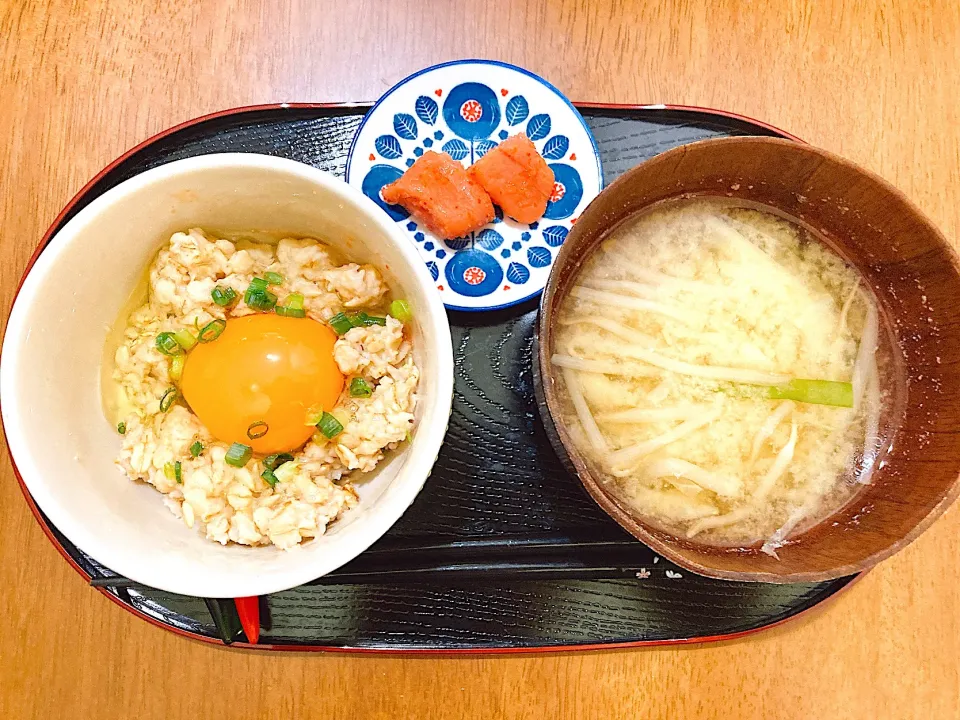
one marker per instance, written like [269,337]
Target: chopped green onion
[294,300]
[178,472]
[272,462]
[329,425]
[340,323]
[168,345]
[196,448]
[287,472]
[368,320]
[257,429]
[223,296]
[293,307]
[360,388]
[238,455]
[169,471]
[176,367]
[816,392]
[185,339]
[273,278]
[260,299]
[211,331]
[122,428]
[400,309]
[269,477]
[409,436]
[168,399]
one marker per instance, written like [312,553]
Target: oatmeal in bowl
[251,411]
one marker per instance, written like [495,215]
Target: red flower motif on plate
[558,192]
[471,111]
[473,275]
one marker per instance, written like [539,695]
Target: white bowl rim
[428,439]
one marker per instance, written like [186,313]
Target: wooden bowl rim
[631,521]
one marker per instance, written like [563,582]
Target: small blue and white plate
[465,108]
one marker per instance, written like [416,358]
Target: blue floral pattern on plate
[465,109]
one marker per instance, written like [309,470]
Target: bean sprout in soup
[718,366]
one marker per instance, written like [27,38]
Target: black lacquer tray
[503,550]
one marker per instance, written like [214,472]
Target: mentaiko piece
[439,193]
[516,177]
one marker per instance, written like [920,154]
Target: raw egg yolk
[263,369]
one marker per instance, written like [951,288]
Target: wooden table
[81,81]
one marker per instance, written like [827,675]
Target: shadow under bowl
[914,274]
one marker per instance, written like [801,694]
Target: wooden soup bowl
[915,275]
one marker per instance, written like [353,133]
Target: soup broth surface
[718,368]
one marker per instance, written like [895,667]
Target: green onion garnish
[167,344]
[400,309]
[238,455]
[185,339]
[329,425]
[269,477]
[178,472]
[259,299]
[122,428]
[368,320]
[196,448]
[273,278]
[176,367]
[294,300]
[223,296]
[168,399]
[290,312]
[293,307]
[257,429]
[817,392]
[268,302]
[340,323]
[360,388]
[211,331]
[272,462]
[169,471]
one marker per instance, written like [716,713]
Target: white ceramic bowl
[64,447]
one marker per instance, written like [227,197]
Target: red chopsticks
[248,608]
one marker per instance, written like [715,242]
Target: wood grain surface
[81,81]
